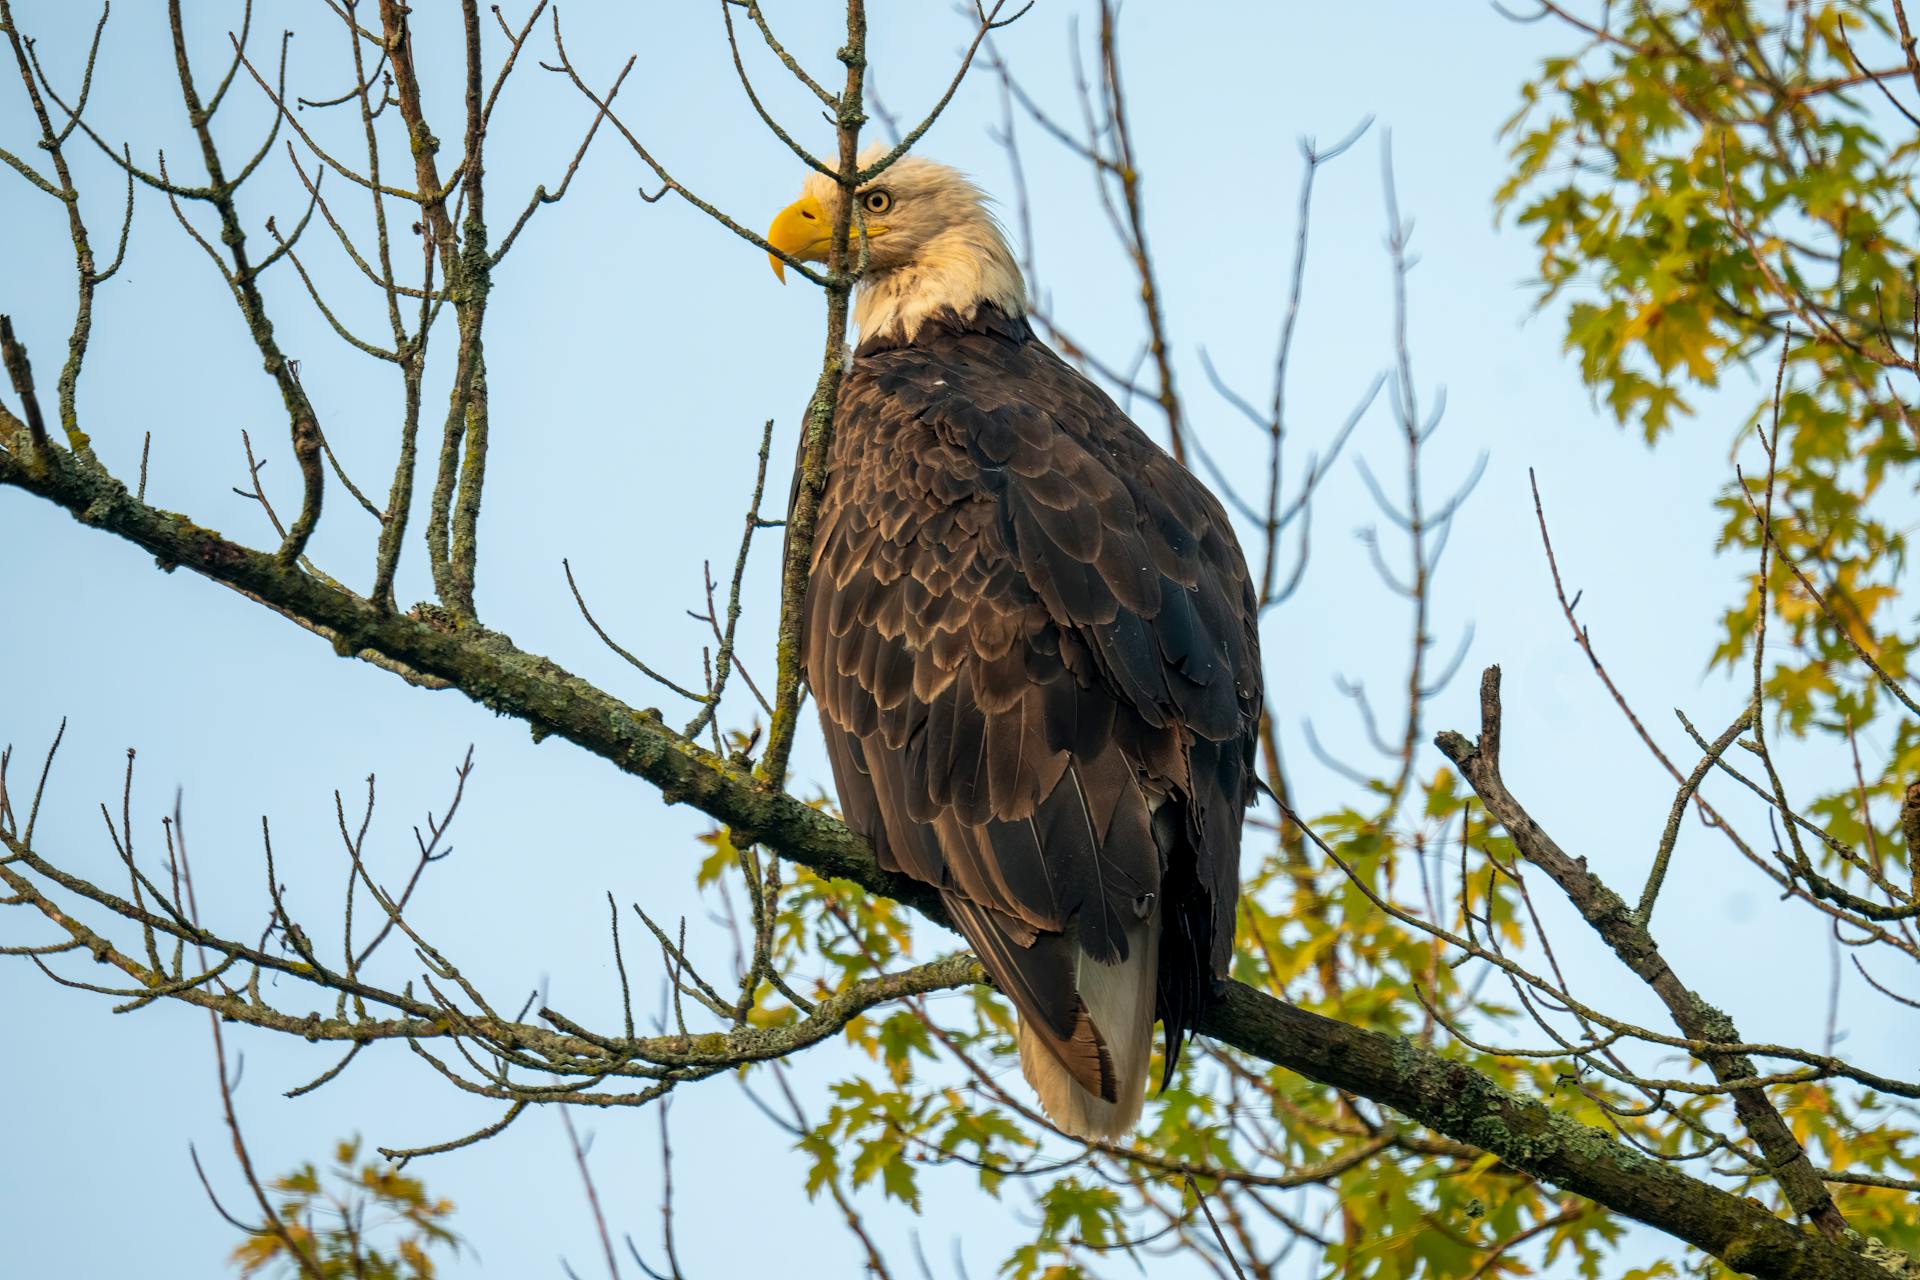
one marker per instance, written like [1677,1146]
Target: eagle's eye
[878,201]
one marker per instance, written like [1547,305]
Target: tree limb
[1626,933]
[1447,1096]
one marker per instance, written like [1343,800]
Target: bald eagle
[1032,638]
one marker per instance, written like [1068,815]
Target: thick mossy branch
[1454,1099]
[483,664]
[1444,1095]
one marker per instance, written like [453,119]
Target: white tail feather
[1120,1000]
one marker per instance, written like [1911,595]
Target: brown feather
[1032,639]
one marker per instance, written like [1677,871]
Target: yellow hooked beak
[803,230]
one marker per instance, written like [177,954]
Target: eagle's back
[1032,638]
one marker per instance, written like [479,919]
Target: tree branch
[1626,933]
[1448,1097]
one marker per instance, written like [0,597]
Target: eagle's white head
[931,239]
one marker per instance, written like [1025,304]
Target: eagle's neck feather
[956,273]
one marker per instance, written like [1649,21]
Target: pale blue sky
[634,350]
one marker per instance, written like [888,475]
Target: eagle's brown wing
[1031,635]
